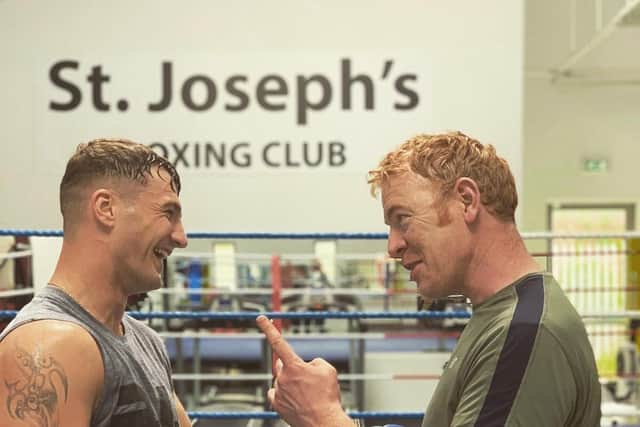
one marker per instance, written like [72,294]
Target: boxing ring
[208,325]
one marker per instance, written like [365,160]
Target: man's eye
[401,220]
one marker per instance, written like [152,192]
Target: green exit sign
[595,165]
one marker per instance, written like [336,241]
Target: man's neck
[500,259]
[92,286]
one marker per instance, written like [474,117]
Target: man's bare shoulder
[49,369]
[67,336]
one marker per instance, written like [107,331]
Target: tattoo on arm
[34,397]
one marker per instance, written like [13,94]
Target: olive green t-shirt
[524,359]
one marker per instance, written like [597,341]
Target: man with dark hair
[524,358]
[72,357]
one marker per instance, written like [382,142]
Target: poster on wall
[272,124]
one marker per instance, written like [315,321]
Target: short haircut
[109,159]
[444,158]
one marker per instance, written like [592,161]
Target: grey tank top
[137,388]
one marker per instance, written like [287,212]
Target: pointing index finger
[279,345]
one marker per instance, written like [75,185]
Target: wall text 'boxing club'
[243,155]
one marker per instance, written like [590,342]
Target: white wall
[566,123]
[594,113]
[467,56]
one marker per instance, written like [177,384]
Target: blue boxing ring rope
[251,315]
[203,235]
[267,415]
[243,315]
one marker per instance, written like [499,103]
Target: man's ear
[103,207]
[467,192]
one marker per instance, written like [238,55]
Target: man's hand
[304,394]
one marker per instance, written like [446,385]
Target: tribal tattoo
[34,397]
